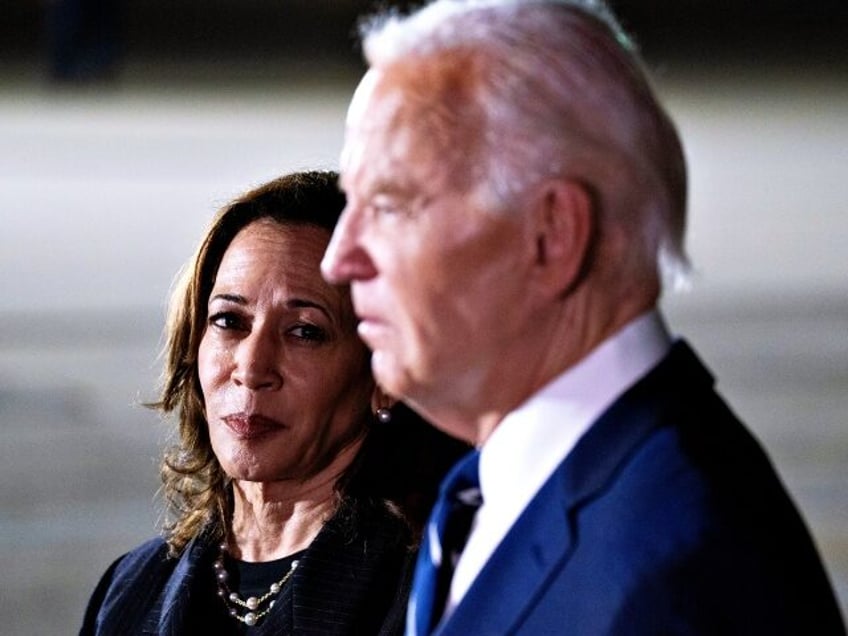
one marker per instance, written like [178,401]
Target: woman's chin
[249,465]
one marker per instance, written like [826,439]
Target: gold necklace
[253,603]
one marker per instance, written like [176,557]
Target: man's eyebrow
[383,186]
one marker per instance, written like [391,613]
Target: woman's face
[285,379]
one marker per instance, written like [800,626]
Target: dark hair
[402,464]
[194,486]
[399,465]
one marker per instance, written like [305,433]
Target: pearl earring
[384,415]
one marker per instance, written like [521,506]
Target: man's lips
[369,327]
[247,426]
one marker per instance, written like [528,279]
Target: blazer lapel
[175,598]
[542,539]
[534,548]
[632,417]
[343,584]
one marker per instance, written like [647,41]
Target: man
[516,195]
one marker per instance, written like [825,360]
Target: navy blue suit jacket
[666,518]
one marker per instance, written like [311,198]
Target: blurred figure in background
[83,39]
[286,515]
[515,193]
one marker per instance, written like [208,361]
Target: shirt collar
[531,441]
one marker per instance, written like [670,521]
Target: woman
[284,516]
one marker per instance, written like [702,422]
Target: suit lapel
[329,564]
[175,598]
[629,420]
[542,539]
[534,548]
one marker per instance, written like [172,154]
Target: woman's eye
[308,332]
[226,320]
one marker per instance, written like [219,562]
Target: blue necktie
[444,538]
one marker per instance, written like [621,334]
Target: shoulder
[670,444]
[679,461]
[677,503]
[152,551]
[141,562]
[151,554]
[138,569]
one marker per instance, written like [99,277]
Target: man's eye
[226,320]
[386,205]
[308,332]
[382,209]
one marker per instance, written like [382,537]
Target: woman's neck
[274,519]
[267,527]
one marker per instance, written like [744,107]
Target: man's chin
[388,373]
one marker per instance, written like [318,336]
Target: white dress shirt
[531,441]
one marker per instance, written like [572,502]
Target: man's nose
[347,259]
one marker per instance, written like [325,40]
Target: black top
[254,579]
[352,580]
[247,579]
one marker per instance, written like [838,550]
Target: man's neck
[555,345]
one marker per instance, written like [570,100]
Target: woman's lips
[250,426]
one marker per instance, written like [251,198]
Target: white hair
[562,90]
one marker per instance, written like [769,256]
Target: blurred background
[125,125]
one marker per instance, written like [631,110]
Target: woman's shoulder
[126,573]
[142,561]
[152,547]
[153,553]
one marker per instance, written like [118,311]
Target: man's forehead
[379,101]
[362,97]
[389,161]
[395,137]
[381,127]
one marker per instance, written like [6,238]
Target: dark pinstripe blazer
[352,580]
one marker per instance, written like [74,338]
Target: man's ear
[565,229]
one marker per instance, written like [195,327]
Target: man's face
[437,280]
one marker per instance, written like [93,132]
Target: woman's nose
[257,363]
[346,260]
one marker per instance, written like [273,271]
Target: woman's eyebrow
[233,298]
[300,303]
[292,303]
